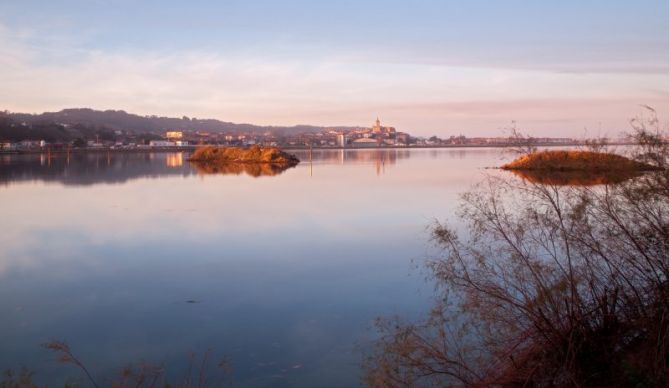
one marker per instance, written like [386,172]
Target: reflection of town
[91,168]
[115,167]
[383,158]
[111,167]
[175,159]
[379,158]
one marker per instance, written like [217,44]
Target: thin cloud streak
[420,98]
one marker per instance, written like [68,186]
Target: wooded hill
[69,124]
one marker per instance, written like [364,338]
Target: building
[403,138]
[341,140]
[8,146]
[161,143]
[378,129]
[377,126]
[174,135]
[365,142]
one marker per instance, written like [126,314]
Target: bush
[548,285]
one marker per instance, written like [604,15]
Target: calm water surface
[288,269]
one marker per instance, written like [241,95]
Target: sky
[555,68]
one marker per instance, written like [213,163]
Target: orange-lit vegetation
[576,168]
[587,161]
[254,161]
[255,154]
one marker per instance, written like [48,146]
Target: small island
[576,161]
[580,168]
[213,155]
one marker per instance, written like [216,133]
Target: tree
[519,143]
[547,285]
[79,143]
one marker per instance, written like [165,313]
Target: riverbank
[192,148]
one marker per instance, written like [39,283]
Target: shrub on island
[254,154]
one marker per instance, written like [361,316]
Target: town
[375,136]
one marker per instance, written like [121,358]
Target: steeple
[377,126]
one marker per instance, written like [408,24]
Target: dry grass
[586,161]
[200,373]
[254,154]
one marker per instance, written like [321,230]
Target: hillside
[72,123]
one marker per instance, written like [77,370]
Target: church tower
[377,126]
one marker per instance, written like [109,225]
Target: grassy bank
[584,161]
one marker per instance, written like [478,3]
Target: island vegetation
[213,155]
[578,160]
[577,167]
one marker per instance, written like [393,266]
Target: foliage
[653,143]
[520,143]
[141,375]
[14,129]
[547,285]
[255,154]
[121,120]
[79,143]
[561,160]
[67,357]
[22,379]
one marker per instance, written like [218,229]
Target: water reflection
[289,272]
[389,156]
[253,169]
[539,275]
[91,168]
[108,167]
[378,159]
[175,159]
[575,178]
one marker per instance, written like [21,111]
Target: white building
[162,143]
[341,140]
[365,142]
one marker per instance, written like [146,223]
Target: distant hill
[83,122]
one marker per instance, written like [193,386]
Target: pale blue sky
[444,67]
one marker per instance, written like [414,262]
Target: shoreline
[291,148]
